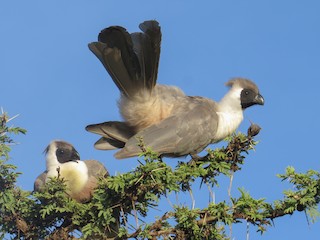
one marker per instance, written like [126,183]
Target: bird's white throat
[51,158]
[228,123]
[230,113]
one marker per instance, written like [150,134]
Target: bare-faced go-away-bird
[163,117]
[81,177]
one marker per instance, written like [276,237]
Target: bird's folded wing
[40,182]
[96,168]
[106,143]
[178,135]
[112,129]
[114,134]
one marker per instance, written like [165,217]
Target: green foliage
[123,199]
[5,135]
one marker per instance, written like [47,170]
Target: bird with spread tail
[163,117]
[81,177]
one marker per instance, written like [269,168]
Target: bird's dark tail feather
[132,60]
[114,134]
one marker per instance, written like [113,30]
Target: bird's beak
[76,156]
[259,100]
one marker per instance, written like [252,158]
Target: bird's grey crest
[243,83]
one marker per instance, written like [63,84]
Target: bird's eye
[246,92]
[60,152]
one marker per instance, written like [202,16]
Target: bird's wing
[96,168]
[106,143]
[40,182]
[181,134]
[114,134]
[112,129]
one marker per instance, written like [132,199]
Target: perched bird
[166,120]
[81,177]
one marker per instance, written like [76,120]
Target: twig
[170,203]
[124,218]
[230,184]
[135,214]
[192,199]
[229,194]
[211,193]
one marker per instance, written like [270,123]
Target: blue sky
[57,85]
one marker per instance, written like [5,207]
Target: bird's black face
[249,97]
[66,153]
